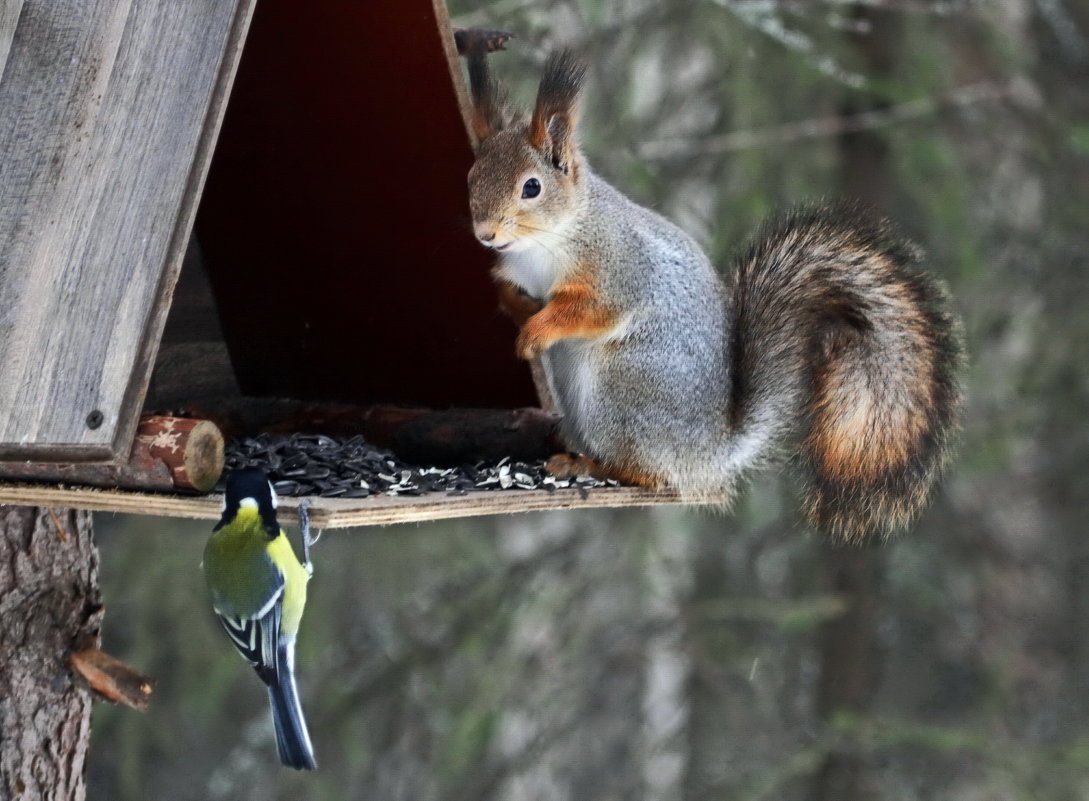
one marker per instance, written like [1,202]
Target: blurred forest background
[672,654]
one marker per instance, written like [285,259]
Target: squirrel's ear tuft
[552,127]
[488,100]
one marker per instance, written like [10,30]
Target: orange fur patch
[574,311]
[859,434]
[565,465]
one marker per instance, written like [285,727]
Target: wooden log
[169,454]
[456,436]
[191,449]
[443,437]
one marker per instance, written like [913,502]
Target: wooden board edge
[56,453]
[453,62]
[336,512]
[465,106]
[9,21]
[132,402]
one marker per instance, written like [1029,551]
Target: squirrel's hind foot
[569,465]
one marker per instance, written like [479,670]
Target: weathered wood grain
[340,512]
[453,63]
[108,110]
[9,16]
[169,454]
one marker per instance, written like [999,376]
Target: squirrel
[827,343]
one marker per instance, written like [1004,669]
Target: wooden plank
[108,109]
[133,401]
[339,512]
[453,64]
[9,18]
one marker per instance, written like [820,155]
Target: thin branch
[111,679]
[388,671]
[465,39]
[942,8]
[827,126]
[1065,29]
[57,525]
[763,18]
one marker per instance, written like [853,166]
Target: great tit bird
[258,592]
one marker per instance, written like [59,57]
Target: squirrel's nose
[485,232]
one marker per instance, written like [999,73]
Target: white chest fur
[535,269]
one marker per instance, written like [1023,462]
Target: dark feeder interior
[333,285]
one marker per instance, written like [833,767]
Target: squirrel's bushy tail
[835,324]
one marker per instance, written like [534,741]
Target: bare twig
[57,525]
[827,126]
[765,19]
[484,591]
[1065,29]
[940,8]
[466,38]
[112,680]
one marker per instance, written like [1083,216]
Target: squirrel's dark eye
[531,188]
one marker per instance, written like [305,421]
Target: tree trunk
[850,662]
[850,658]
[49,606]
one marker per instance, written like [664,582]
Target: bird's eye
[531,188]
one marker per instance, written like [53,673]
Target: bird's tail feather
[292,738]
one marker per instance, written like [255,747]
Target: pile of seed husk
[314,464]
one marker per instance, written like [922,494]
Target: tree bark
[49,607]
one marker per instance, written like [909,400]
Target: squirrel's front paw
[569,465]
[516,304]
[532,341]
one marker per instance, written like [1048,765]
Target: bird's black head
[250,486]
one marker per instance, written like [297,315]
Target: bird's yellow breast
[241,564]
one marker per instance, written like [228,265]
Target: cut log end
[192,449]
[203,456]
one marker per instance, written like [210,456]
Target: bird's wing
[257,638]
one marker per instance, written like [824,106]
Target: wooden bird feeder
[307,165]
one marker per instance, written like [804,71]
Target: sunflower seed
[303,464]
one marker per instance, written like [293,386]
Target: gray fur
[659,393]
[826,338]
